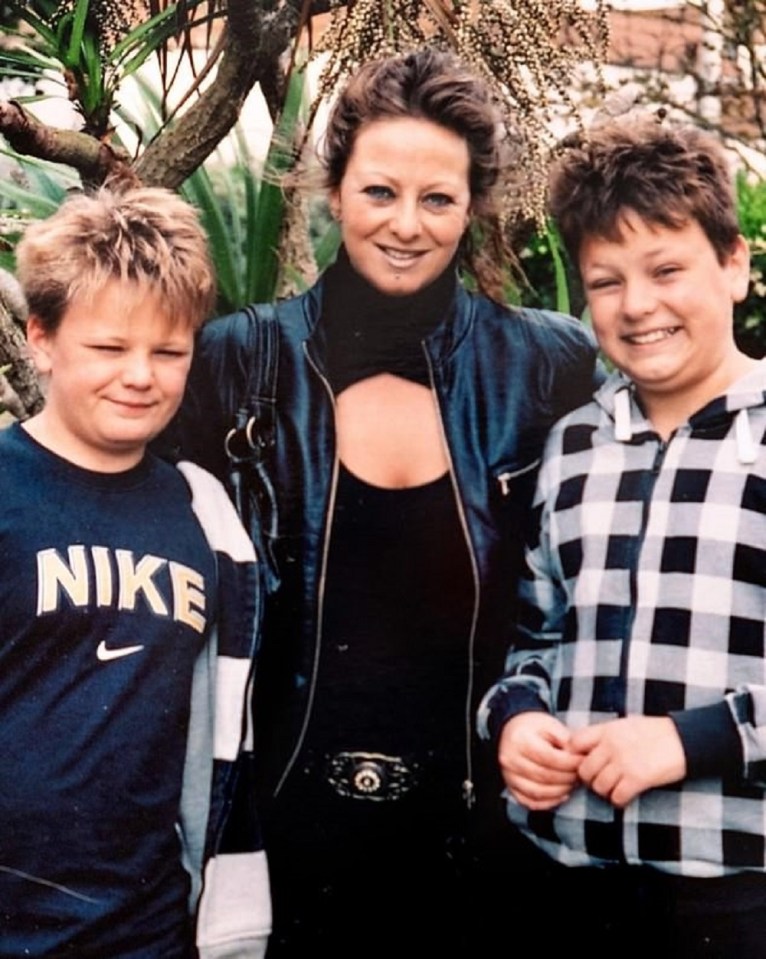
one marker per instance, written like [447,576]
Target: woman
[409,418]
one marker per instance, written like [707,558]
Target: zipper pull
[504,479]
[468,793]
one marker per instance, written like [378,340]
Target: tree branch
[253,42]
[27,135]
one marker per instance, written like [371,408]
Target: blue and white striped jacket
[230,887]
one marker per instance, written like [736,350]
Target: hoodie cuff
[513,702]
[710,740]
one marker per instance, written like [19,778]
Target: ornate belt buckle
[375,776]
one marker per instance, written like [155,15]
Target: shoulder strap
[253,435]
[254,427]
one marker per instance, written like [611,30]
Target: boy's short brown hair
[147,237]
[666,175]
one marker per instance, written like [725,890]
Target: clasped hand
[542,760]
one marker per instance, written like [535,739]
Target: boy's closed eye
[171,352]
[664,272]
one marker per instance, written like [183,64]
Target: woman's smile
[404,202]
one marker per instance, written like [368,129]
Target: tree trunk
[21,375]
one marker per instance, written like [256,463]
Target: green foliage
[750,316]
[241,207]
[90,54]
[227,198]
[33,191]
[268,203]
[551,284]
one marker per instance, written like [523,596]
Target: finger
[538,791]
[534,805]
[535,796]
[585,740]
[592,765]
[606,781]
[544,767]
[542,774]
[557,734]
[523,755]
[553,757]
[624,792]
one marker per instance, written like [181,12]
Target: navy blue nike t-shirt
[105,596]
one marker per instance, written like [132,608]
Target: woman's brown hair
[435,86]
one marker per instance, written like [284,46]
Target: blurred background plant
[750,316]
[528,50]
[93,59]
[266,240]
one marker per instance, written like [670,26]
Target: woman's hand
[537,765]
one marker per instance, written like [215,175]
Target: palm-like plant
[92,46]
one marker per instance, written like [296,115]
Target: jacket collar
[441,343]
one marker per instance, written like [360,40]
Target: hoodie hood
[617,397]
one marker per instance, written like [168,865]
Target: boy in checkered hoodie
[631,720]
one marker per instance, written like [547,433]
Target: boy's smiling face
[662,304]
[116,369]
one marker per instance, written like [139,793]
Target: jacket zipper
[646,506]
[468,785]
[320,592]
[619,817]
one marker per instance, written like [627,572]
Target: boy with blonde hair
[631,720]
[110,592]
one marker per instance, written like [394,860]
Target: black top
[392,674]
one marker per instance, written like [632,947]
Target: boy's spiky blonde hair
[147,237]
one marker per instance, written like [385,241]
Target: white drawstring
[746,448]
[622,428]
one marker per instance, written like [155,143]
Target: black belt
[375,776]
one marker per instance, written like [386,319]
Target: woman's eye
[379,192]
[438,200]
[106,347]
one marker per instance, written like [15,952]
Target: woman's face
[404,202]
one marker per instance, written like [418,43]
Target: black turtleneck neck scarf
[369,332]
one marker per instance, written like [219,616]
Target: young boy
[632,717]
[109,591]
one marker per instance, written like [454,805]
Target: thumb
[585,739]
[558,735]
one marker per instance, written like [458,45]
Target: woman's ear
[333,201]
[39,343]
[470,213]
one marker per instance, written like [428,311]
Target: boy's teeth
[652,337]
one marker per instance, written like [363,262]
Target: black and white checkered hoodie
[645,593]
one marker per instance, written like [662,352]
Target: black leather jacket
[500,377]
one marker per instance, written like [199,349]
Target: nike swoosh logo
[105,654]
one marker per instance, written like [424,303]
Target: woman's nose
[405,220]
